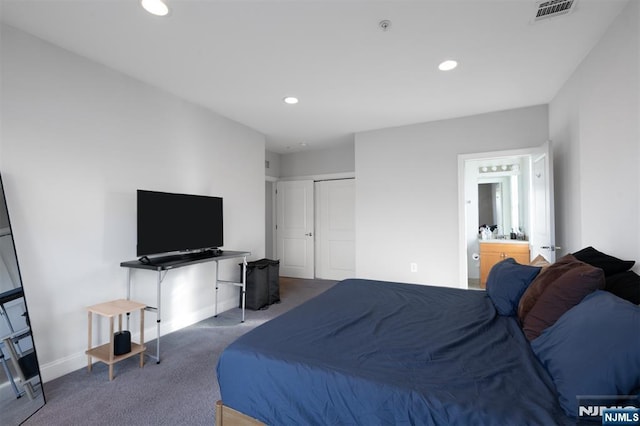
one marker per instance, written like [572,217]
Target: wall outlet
[414,267]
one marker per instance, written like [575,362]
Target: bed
[384,353]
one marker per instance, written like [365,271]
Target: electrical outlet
[414,267]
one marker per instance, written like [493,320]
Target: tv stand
[163,264]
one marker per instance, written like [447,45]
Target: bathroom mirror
[21,392]
[502,196]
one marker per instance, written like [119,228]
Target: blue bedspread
[377,353]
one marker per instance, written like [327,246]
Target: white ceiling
[239,58]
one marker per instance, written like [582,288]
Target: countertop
[493,241]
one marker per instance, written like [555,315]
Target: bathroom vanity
[494,251]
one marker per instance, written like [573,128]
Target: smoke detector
[551,8]
[385,25]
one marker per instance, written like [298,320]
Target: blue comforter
[378,353]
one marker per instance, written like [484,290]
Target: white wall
[335,159]
[77,140]
[407,190]
[273,159]
[594,121]
[406,205]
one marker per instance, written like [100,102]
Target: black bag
[257,295]
[273,278]
[263,284]
[122,342]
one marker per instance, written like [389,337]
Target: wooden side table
[104,352]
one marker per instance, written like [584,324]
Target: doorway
[520,183]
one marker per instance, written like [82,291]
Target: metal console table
[162,265]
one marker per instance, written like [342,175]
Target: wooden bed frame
[227,416]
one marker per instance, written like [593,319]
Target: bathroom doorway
[519,184]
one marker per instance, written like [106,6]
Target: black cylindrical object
[122,342]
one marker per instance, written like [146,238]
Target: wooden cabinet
[494,251]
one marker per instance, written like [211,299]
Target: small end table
[105,353]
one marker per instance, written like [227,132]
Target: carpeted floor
[181,390]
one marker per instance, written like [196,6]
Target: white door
[294,228]
[335,229]
[542,214]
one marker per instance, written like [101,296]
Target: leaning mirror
[21,392]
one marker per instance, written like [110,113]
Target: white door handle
[309,234]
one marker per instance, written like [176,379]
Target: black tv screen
[177,222]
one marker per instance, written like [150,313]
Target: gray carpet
[181,390]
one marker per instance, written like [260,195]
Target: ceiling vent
[551,8]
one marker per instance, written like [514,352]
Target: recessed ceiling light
[290,100]
[447,65]
[155,7]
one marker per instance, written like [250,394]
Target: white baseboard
[60,367]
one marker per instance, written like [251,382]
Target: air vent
[551,8]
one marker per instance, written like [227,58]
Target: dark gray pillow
[609,264]
[625,285]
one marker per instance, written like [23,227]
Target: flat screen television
[170,222]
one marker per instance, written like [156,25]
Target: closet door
[335,229]
[295,228]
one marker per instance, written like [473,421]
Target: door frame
[462,210]
[272,224]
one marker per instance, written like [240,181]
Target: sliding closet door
[335,229]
